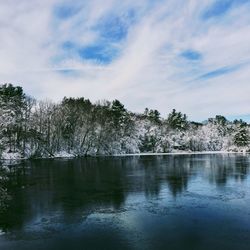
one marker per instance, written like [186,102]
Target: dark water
[150,202]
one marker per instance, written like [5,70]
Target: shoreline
[126,155]
[183,153]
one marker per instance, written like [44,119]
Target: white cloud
[149,71]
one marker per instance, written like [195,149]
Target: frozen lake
[133,202]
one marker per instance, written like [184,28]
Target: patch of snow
[64,154]
[180,153]
[10,156]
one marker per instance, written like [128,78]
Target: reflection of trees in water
[241,168]
[150,172]
[67,186]
[157,170]
[4,195]
[78,187]
[7,179]
[177,174]
[221,168]
[88,181]
[177,170]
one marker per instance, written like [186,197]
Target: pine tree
[12,105]
[118,113]
[154,116]
[177,120]
[241,138]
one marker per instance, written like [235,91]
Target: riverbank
[17,156]
[185,153]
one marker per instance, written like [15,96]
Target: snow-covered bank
[183,153]
[11,156]
[65,155]
[75,127]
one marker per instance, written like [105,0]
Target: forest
[77,127]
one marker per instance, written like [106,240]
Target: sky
[190,55]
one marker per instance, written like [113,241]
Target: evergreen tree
[154,116]
[241,138]
[221,120]
[177,120]
[119,113]
[12,105]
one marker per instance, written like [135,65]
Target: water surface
[148,202]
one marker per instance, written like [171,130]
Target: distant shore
[183,153]
[71,156]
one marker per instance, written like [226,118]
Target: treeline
[77,127]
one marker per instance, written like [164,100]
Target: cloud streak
[157,54]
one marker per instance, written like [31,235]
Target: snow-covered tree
[241,138]
[177,120]
[78,127]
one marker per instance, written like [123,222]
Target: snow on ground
[10,156]
[182,153]
[63,154]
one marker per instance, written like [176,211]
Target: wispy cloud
[161,54]
[220,72]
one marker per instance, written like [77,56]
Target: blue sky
[193,56]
